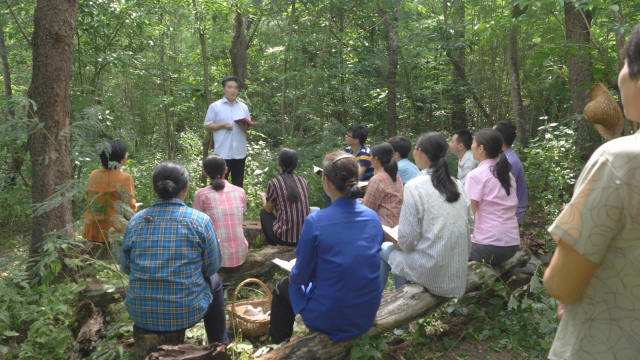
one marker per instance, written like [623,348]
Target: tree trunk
[514,75]
[578,22]
[54,24]
[90,333]
[285,63]
[257,263]
[456,54]
[238,50]
[205,84]
[16,158]
[391,30]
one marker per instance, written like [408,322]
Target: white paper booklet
[287,265]
[391,231]
[317,170]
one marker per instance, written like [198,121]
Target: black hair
[214,166]
[359,132]
[112,154]
[492,141]
[169,179]
[341,169]
[288,161]
[230,78]
[632,53]
[401,145]
[464,137]
[508,132]
[434,145]
[384,153]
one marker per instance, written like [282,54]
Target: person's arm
[306,255]
[211,122]
[474,207]
[196,202]
[266,204]
[211,255]
[373,197]
[216,127]
[132,194]
[568,274]
[474,187]
[361,171]
[269,199]
[410,225]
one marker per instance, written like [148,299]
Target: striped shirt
[226,209]
[364,160]
[290,217]
[168,249]
[434,238]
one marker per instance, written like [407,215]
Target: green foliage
[367,348]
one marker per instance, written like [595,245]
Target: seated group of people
[172,252]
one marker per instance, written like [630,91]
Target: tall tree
[54,23]
[239,46]
[578,34]
[454,13]
[206,142]
[514,74]
[390,19]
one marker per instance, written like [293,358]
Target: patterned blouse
[384,196]
[226,209]
[290,217]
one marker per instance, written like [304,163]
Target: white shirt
[229,144]
[434,236]
[465,165]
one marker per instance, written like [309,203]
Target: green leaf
[10,333]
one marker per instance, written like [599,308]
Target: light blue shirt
[407,170]
[229,144]
[521,183]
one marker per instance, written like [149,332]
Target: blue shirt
[364,160]
[168,250]
[230,144]
[338,263]
[407,170]
[521,183]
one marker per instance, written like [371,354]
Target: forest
[79,73]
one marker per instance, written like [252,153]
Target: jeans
[236,169]
[282,316]
[385,268]
[215,318]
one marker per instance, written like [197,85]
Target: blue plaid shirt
[169,249]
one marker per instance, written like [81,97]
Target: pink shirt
[495,219]
[226,209]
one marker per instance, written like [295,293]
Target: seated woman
[384,192]
[288,195]
[225,204]
[494,202]
[433,236]
[107,187]
[335,283]
[171,254]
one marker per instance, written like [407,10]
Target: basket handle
[248,281]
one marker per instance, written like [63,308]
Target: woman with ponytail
[335,283]
[384,192]
[225,204]
[172,256]
[492,190]
[288,196]
[432,248]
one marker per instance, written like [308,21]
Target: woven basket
[251,327]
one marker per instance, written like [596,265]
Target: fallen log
[91,331]
[398,307]
[252,229]
[189,352]
[257,263]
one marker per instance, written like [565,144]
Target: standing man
[460,145]
[508,132]
[229,137]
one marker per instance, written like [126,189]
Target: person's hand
[263,196]
[243,126]
[228,126]
[560,310]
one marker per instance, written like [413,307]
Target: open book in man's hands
[246,122]
[287,265]
[392,232]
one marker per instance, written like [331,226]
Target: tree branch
[18,23]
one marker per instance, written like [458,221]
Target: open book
[391,231]
[245,122]
[317,170]
[287,265]
[363,184]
